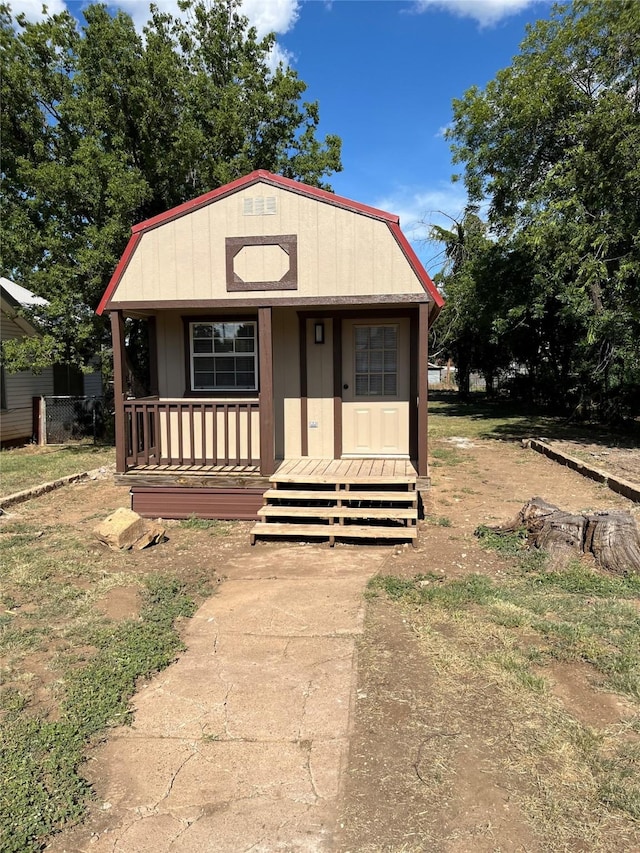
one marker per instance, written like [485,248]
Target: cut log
[610,537]
[613,540]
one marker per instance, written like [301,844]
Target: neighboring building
[435,374]
[22,393]
[287,326]
[19,389]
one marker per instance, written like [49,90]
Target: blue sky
[384,73]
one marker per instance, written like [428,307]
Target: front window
[376,361]
[223,356]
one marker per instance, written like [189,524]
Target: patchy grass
[68,671]
[42,790]
[501,632]
[25,467]
[446,456]
[218,528]
[441,521]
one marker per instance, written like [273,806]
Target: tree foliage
[103,126]
[553,145]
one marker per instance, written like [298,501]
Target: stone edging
[36,491]
[616,484]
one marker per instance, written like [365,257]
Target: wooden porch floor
[289,470]
[194,470]
[345,470]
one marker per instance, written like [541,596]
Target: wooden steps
[332,499]
[340,512]
[332,531]
[350,496]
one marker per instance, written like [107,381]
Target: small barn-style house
[288,358]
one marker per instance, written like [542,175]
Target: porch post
[423,376]
[337,387]
[265,341]
[117,335]
[153,356]
[304,386]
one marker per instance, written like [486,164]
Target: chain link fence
[73,418]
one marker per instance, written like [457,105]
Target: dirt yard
[439,761]
[446,753]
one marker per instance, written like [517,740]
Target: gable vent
[259,205]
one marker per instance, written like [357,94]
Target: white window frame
[193,356]
[383,372]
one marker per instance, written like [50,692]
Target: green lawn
[483,418]
[25,467]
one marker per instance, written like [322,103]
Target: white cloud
[267,16]
[140,12]
[485,12]
[418,209]
[278,16]
[32,9]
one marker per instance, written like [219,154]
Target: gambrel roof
[373,255]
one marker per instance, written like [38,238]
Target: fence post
[38,420]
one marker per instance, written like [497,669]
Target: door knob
[345,386]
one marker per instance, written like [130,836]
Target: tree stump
[611,537]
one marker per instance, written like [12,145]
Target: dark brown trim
[423,376]
[304,390]
[214,318]
[265,351]
[319,302]
[359,313]
[289,245]
[153,356]
[413,384]
[163,501]
[246,396]
[337,387]
[117,334]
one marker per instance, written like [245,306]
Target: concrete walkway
[240,745]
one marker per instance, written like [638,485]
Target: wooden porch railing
[191,432]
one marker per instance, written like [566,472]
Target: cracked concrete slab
[240,745]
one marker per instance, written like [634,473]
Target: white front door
[375,395]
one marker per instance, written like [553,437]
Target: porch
[304,498]
[347,499]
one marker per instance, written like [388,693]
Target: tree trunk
[610,537]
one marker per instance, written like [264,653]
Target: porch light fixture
[319,332]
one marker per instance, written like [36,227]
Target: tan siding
[340,252]
[172,380]
[286,383]
[320,391]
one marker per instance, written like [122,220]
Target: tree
[553,144]
[104,127]
[464,328]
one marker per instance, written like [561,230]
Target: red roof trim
[324,195]
[261,175]
[420,271]
[119,272]
[254,178]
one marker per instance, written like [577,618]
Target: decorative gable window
[223,356]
